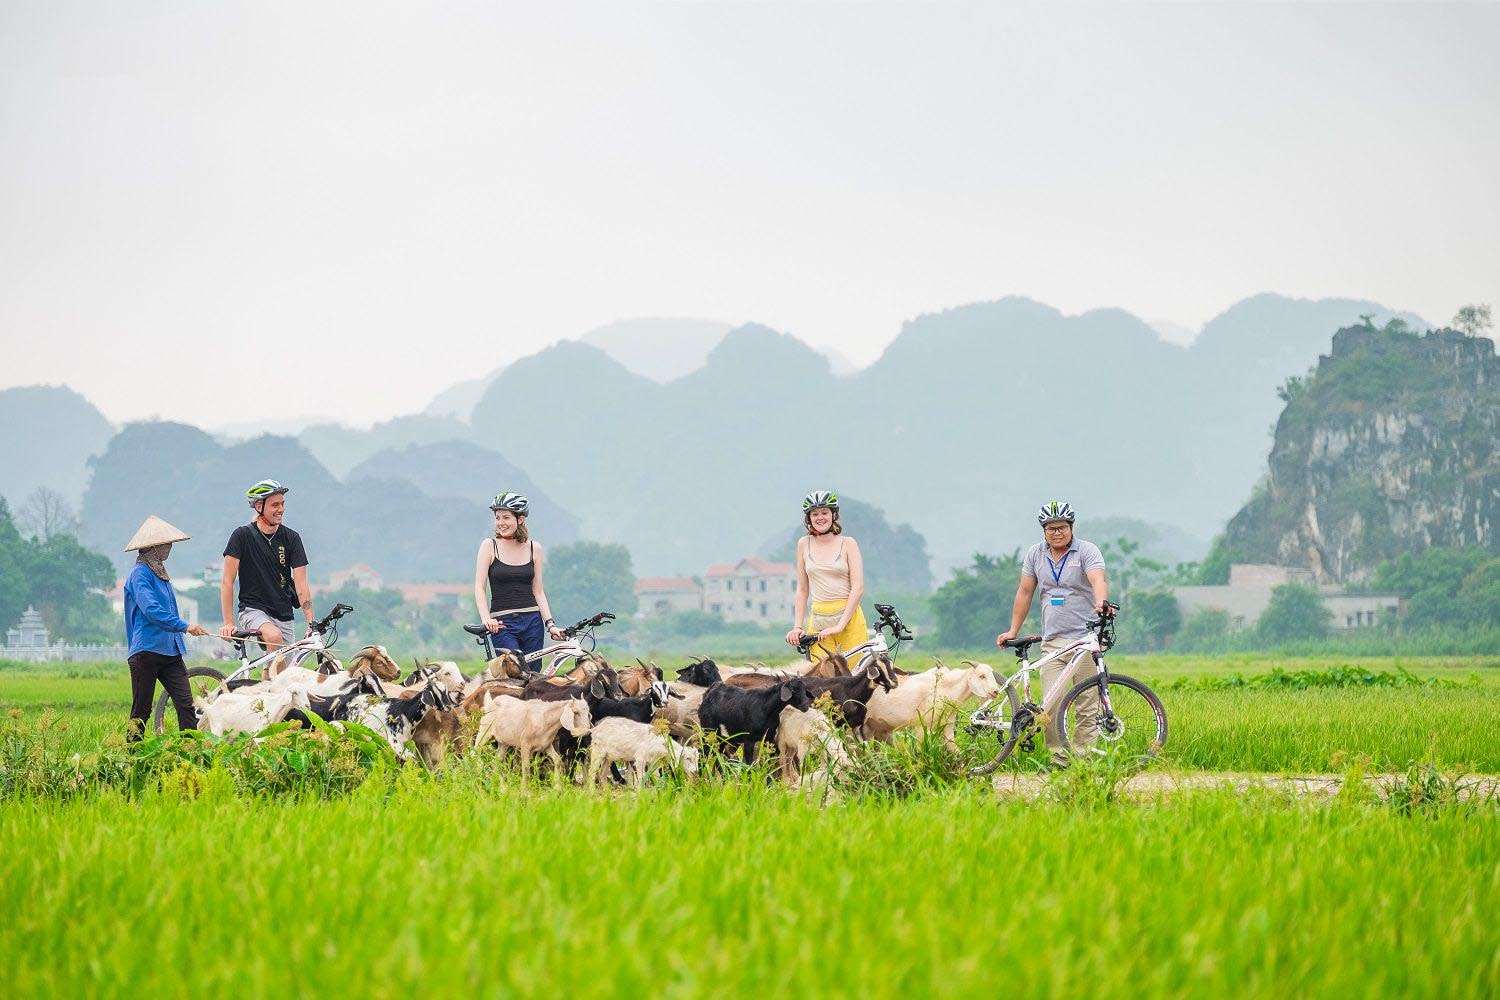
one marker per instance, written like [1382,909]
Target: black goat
[702,673]
[749,718]
[851,693]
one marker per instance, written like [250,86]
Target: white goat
[235,712]
[531,726]
[802,734]
[927,700]
[637,746]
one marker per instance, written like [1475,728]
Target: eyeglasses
[1057,529]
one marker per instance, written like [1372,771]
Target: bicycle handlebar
[888,619]
[339,611]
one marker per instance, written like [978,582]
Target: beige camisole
[830,582]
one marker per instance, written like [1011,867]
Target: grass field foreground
[413,886]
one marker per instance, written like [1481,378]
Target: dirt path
[1153,784]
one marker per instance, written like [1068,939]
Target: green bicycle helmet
[1056,510]
[821,498]
[264,489]
[513,502]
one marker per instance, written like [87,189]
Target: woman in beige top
[831,574]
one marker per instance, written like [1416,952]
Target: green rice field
[186,875]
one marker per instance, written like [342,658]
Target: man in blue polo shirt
[1074,589]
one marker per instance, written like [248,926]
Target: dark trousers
[523,633]
[146,669]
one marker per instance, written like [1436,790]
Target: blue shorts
[523,633]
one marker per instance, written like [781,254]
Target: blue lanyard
[1057,568]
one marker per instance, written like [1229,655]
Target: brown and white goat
[531,726]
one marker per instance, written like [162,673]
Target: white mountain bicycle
[863,655]
[205,682]
[578,641]
[1106,715]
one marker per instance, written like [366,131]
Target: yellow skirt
[827,613]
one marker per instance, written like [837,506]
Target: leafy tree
[1214,569]
[974,606]
[63,576]
[1479,595]
[1435,585]
[588,577]
[60,577]
[1203,629]
[1295,612]
[1153,617]
[1473,320]
[15,590]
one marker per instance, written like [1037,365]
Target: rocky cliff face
[1388,446]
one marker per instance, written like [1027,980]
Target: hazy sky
[217,208]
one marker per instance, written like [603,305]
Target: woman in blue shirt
[155,629]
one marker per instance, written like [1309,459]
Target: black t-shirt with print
[266,566]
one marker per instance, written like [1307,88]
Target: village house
[659,595]
[751,590]
[1248,593]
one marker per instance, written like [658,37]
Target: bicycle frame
[556,655]
[1074,652]
[298,653]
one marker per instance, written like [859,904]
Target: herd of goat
[623,722]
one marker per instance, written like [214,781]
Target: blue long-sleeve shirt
[152,623]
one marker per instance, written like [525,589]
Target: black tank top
[510,586]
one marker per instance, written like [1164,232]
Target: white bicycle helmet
[1056,510]
[264,489]
[513,502]
[821,498]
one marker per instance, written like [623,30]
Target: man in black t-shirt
[267,559]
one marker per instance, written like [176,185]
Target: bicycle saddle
[1021,643]
[475,629]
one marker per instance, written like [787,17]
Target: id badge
[1057,598]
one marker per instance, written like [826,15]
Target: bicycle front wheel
[1121,719]
[993,726]
[202,681]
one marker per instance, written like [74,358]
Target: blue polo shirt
[1067,598]
[152,624]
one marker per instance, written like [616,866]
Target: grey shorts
[251,619]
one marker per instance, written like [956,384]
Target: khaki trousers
[1085,709]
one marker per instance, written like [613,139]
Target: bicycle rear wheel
[993,727]
[202,681]
[1132,730]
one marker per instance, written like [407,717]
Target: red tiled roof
[760,566]
[665,583]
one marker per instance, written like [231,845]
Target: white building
[751,590]
[659,595]
[30,640]
[1248,593]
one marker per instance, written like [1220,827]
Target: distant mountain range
[379,515]
[967,421]
[50,433]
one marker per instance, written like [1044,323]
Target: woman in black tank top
[509,566]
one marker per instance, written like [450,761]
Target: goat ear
[786,692]
[597,688]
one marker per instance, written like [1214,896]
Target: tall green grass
[417,886]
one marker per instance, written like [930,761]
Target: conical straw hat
[155,531]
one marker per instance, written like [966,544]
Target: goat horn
[970,663]
[940,664]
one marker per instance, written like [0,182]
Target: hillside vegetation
[1387,447]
